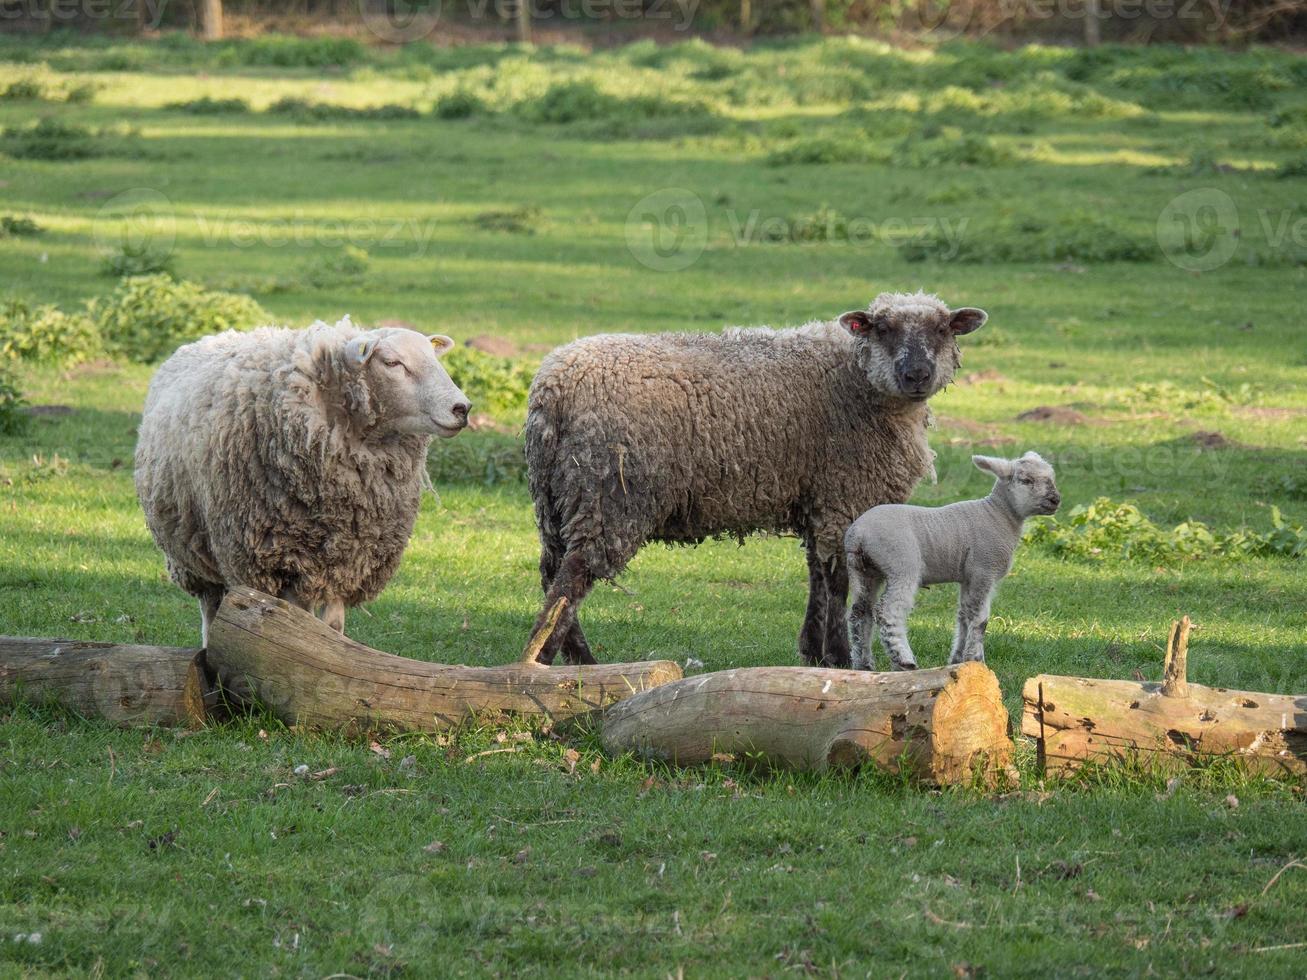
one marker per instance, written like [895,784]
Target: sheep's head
[408,390]
[1026,485]
[907,342]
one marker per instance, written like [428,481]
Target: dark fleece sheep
[680,437]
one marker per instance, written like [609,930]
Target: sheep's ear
[440,343]
[1001,468]
[967,320]
[856,321]
[360,350]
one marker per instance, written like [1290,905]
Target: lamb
[680,437]
[292,461]
[970,542]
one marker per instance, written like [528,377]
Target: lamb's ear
[440,343]
[856,321]
[1001,468]
[967,320]
[360,350]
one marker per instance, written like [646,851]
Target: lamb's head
[408,390]
[1025,485]
[907,342]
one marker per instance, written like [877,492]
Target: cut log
[308,674]
[946,725]
[127,685]
[1171,724]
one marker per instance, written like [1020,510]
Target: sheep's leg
[812,635]
[973,607]
[333,614]
[573,582]
[862,617]
[836,652]
[892,613]
[959,633]
[574,648]
[210,600]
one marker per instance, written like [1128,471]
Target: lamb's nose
[460,412]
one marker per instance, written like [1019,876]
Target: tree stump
[308,674]
[1168,724]
[946,725]
[124,684]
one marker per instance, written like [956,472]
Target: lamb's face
[409,388]
[1026,483]
[907,343]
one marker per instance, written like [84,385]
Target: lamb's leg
[812,635]
[959,633]
[836,652]
[333,614]
[892,613]
[210,600]
[573,582]
[973,607]
[862,616]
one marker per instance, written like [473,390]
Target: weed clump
[461,104]
[13,419]
[1107,529]
[46,335]
[827,149]
[302,110]
[147,317]
[18,227]
[137,260]
[1076,237]
[347,267]
[523,220]
[206,106]
[49,139]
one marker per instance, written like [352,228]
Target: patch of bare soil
[498,346]
[975,433]
[1056,414]
[981,377]
[1211,440]
[1269,413]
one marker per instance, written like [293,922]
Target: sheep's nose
[915,377]
[460,412]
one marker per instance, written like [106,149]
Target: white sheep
[292,461]
[904,547]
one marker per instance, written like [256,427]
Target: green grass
[501,225]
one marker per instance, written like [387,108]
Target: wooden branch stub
[121,683]
[308,674]
[946,725]
[1175,667]
[531,655]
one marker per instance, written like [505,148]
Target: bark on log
[308,674]
[127,685]
[1079,719]
[941,725]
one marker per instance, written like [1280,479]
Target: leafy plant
[25,89]
[207,106]
[347,267]
[46,334]
[13,419]
[133,259]
[148,317]
[522,220]
[49,139]
[460,104]
[1107,529]
[19,227]
[501,383]
[828,149]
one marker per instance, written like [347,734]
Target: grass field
[1132,219]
